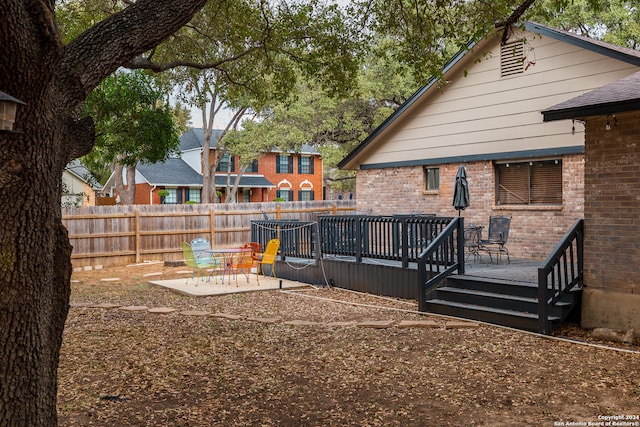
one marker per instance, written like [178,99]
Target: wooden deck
[519,270]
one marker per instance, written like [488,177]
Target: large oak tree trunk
[35,254]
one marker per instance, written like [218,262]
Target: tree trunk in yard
[35,254]
[126,193]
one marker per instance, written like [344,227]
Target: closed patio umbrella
[461,190]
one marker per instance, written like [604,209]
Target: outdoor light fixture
[8,108]
[607,126]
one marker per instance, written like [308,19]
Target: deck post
[422,277]
[543,308]
[460,234]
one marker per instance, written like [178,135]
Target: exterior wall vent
[512,59]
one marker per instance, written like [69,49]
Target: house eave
[591,110]
[505,155]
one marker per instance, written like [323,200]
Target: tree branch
[515,16]
[100,50]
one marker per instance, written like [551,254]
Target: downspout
[151,194]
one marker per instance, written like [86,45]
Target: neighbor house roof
[246,181]
[171,172]
[194,139]
[80,171]
[177,173]
[617,97]
[630,56]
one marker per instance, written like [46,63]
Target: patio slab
[199,288]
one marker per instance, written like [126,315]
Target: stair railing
[443,256]
[562,271]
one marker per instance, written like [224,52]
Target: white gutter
[151,195]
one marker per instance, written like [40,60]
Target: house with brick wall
[485,114]
[286,175]
[611,116]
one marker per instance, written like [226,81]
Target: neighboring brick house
[290,176]
[486,116]
[611,114]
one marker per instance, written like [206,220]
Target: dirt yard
[307,358]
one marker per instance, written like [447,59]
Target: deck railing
[562,271]
[443,256]
[399,238]
[297,238]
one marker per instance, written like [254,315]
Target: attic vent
[512,59]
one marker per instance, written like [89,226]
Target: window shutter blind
[530,183]
[311,159]
[278,164]
[290,163]
[546,183]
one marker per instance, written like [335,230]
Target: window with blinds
[432,178]
[512,59]
[529,183]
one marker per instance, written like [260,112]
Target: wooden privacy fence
[119,235]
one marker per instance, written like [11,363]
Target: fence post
[212,226]
[137,229]
[335,209]
[278,212]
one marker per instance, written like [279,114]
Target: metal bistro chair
[196,264]
[269,256]
[199,247]
[244,263]
[497,238]
[472,236]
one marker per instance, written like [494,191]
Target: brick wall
[612,193]
[533,233]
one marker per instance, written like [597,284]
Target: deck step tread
[489,309]
[495,295]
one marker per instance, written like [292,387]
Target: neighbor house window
[284,164]
[305,195]
[305,164]
[226,163]
[286,195]
[194,195]
[171,198]
[432,178]
[529,183]
[253,167]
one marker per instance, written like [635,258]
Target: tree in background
[281,43]
[133,124]
[614,21]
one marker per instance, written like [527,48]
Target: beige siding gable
[480,113]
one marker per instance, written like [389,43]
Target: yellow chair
[269,256]
[197,264]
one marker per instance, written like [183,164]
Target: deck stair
[497,301]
